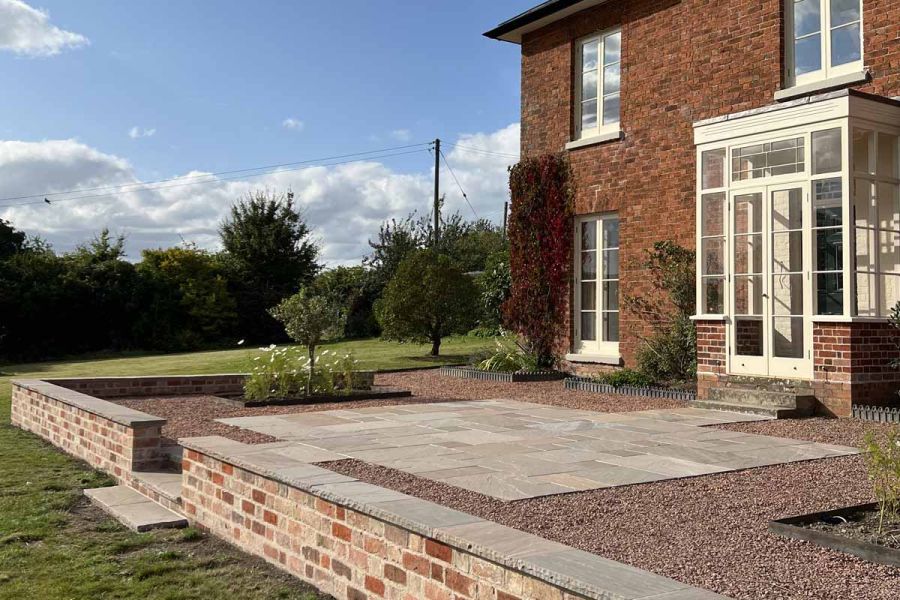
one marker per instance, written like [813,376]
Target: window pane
[787,337]
[807,17]
[713,256]
[889,206]
[865,249]
[845,45]
[713,169]
[589,235]
[712,214]
[588,296]
[890,292]
[787,294]
[611,295]
[862,204]
[612,48]
[588,266]
[826,151]
[611,264]
[589,115]
[829,294]
[865,295]
[787,209]
[748,213]
[889,252]
[588,326]
[787,252]
[888,165]
[761,160]
[748,297]
[862,141]
[829,250]
[611,327]
[844,11]
[808,54]
[589,85]
[611,76]
[748,253]
[610,233]
[828,200]
[714,295]
[611,109]
[748,336]
[589,56]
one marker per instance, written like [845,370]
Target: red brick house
[763,133]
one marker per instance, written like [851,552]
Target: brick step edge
[517,377]
[765,411]
[583,384]
[878,414]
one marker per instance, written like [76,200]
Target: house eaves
[541,15]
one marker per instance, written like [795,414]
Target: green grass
[55,546]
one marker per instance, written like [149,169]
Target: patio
[513,450]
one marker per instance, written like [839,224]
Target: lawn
[54,545]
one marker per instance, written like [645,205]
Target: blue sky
[160,89]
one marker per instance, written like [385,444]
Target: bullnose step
[766,411]
[134,510]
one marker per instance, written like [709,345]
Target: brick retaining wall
[357,541]
[111,438]
[167,385]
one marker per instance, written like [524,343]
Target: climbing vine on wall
[540,243]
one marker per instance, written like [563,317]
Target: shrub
[622,377]
[508,357]
[669,352]
[540,248]
[895,323]
[310,319]
[428,298]
[285,372]
[493,290]
[883,462]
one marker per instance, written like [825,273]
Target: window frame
[600,130]
[599,345]
[826,71]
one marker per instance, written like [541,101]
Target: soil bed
[861,525]
[377,392]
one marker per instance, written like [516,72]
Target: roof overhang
[537,17]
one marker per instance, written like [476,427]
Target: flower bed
[504,377]
[375,392]
[852,529]
[584,384]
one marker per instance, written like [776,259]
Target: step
[766,411]
[163,484]
[134,510]
[749,382]
[763,398]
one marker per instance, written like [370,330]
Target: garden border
[516,377]
[584,384]
[878,414]
[376,393]
[792,527]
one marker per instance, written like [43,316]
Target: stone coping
[102,408]
[575,571]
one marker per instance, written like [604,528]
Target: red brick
[438,550]
[395,574]
[376,586]
[341,531]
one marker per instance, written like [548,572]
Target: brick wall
[711,357]
[165,385]
[343,552]
[118,443]
[683,61]
[852,365]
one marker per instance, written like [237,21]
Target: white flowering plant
[883,462]
[280,372]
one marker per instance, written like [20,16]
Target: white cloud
[293,124]
[27,31]
[344,204]
[402,135]
[136,132]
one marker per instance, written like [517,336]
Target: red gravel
[708,531]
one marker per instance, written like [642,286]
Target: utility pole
[437,191]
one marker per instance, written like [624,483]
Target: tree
[669,352]
[183,292]
[11,240]
[310,319]
[428,299]
[270,256]
[540,250]
[396,240]
[493,291]
[354,289]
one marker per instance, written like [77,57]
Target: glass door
[770,289]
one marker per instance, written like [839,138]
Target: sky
[101,93]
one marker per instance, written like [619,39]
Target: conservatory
[798,226]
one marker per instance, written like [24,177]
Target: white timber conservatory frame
[798,221]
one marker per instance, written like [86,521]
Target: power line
[458,184]
[209,175]
[483,151]
[209,181]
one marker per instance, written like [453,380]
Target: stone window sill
[596,359]
[593,141]
[821,86]
[843,319]
[709,318]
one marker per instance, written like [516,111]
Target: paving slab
[134,510]
[515,450]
